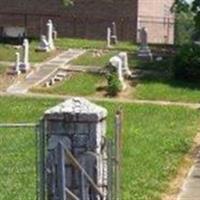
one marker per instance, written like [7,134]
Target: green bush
[114,84]
[187,63]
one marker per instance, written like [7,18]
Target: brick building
[89,18]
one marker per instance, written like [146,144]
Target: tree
[184,6]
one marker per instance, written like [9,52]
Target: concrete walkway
[191,187]
[44,71]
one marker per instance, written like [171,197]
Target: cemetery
[100,117]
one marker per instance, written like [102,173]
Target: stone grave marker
[50,34]
[125,67]
[44,45]
[108,37]
[17,64]
[114,38]
[116,62]
[25,65]
[144,51]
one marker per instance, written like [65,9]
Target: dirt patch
[187,162]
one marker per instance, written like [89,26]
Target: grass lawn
[89,59]
[155,139]
[65,43]
[3,69]
[80,84]
[7,53]
[169,91]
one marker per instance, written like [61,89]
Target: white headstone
[25,65]
[116,62]
[44,45]
[17,64]
[50,34]
[108,37]
[26,53]
[125,67]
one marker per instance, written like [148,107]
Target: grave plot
[98,58]
[80,84]
[7,52]
[66,43]
[154,141]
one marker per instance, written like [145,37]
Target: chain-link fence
[23,157]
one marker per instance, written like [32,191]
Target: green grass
[3,68]
[89,59]
[163,65]
[81,84]
[7,53]
[155,139]
[65,43]
[168,90]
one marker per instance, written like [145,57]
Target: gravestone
[80,126]
[17,64]
[44,45]
[114,39]
[55,34]
[108,37]
[25,65]
[144,51]
[125,67]
[116,62]
[50,35]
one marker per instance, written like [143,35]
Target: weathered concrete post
[50,34]
[80,127]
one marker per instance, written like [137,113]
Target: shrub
[114,84]
[187,63]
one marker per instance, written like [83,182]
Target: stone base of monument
[113,40]
[15,72]
[24,67]
[145,53]
[42,49]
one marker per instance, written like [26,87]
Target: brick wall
[155,15]
[90,18]
[86,19]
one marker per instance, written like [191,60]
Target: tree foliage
[184,6]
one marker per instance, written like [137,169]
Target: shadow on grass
[160,72]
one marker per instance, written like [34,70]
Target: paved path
[191,187]
[44,71]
